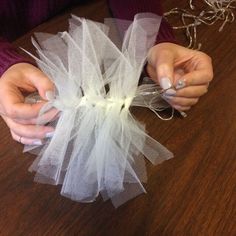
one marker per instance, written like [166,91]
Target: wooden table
[192,194]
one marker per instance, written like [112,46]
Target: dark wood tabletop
[192,194]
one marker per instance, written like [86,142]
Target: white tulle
[98,146]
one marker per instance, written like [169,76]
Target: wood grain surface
[191,194]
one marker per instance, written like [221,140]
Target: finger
[30,131]
[42,83]
[165,68]
[13,104]
[151,72]
[26,141]
[195,78]
[49,116]
[192,91]
[178,74]
[182,108]
[181,101]
[23,110]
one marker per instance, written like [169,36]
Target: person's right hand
[187,72]
[21,117]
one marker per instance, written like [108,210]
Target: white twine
[215,10]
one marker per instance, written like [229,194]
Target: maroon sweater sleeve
[123,9]
[9,56]
[127,9]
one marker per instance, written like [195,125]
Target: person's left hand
[186,72]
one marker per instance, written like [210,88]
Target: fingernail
[165,83]
[167,97]
[49,95]
[49,134]
[180,84]
[37,142]
[170,92]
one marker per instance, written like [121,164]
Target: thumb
[43,84]
[165,68]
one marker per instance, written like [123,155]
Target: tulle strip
[98,146]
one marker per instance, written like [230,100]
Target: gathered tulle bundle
[98,146]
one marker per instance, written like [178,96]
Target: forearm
[127,9]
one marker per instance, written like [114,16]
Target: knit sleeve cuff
[9,56]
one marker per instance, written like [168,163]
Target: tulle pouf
[98,146]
